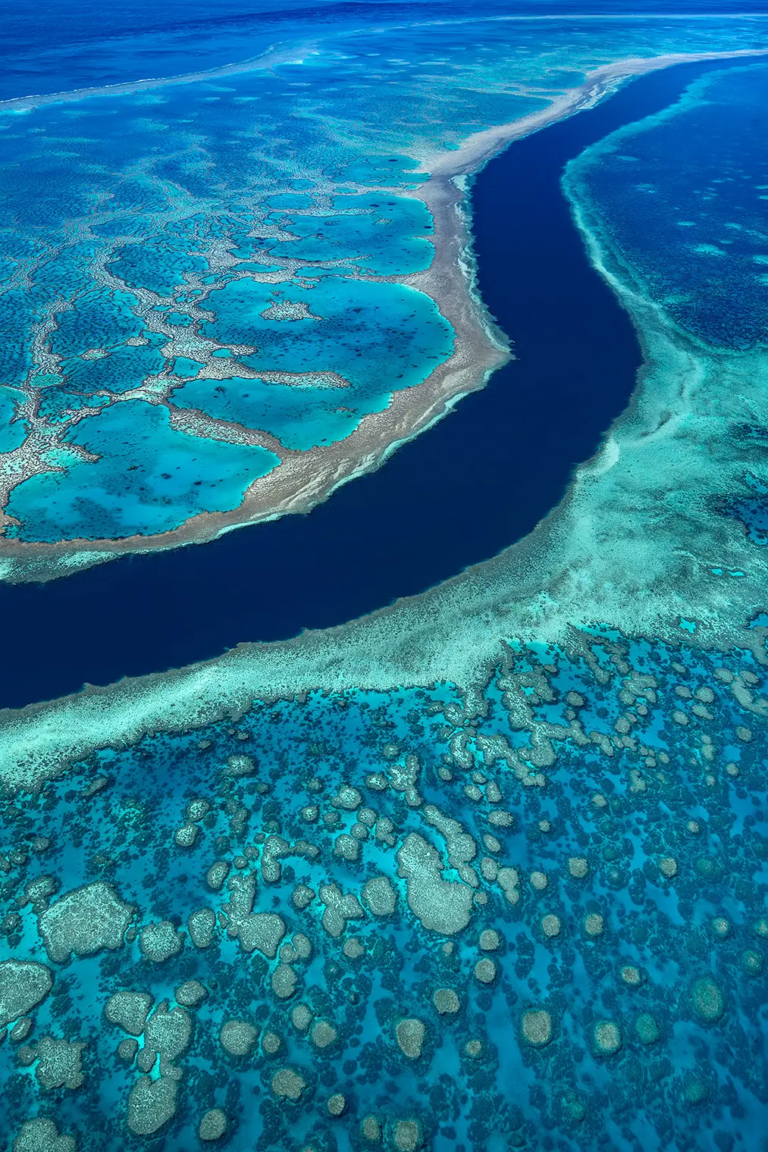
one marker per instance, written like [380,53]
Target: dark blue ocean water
[476,483]
[54,47]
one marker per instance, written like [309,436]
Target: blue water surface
[123,501]
[656,779]
[691,221]
[476,482]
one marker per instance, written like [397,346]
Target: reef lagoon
[484,866]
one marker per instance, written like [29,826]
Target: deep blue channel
[478,481]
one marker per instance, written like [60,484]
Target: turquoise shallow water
[126,219]
[120,252]
[343,327]
[305,418]
[572,853]
[13,431]
[148,478]
[635,901]
[384,237]
[351,328]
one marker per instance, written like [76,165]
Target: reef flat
[235,353]
[483,870]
